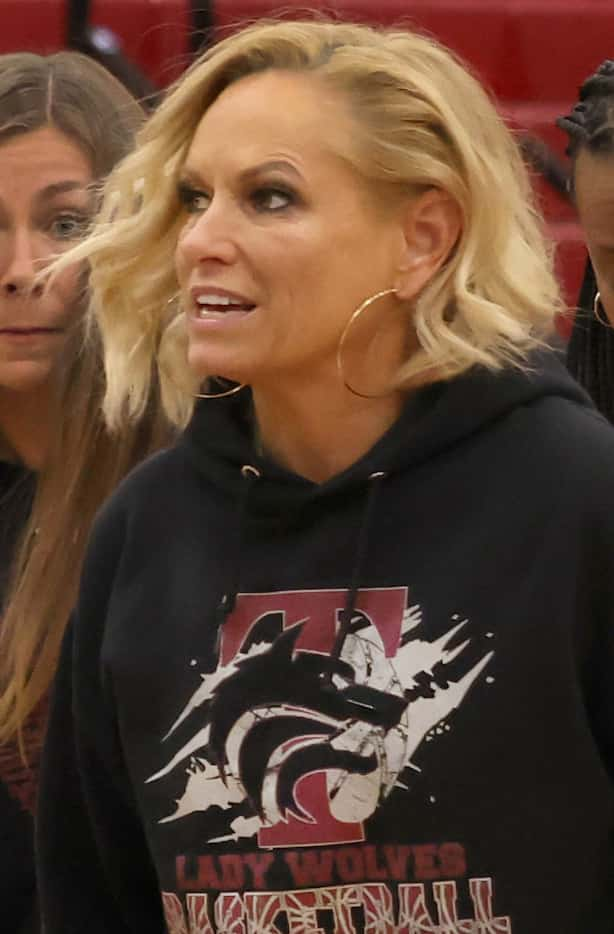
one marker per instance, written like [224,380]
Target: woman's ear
[432,224]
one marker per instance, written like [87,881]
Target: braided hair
[590,354]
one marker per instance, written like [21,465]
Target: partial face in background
[594,184]
[45,204]
[283,238]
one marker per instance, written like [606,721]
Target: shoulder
[569,447]
[146,497]
[150,485]
[17,485]
[158,475]
[572,428]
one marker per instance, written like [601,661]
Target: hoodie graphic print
[299,750]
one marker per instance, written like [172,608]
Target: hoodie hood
[220,436]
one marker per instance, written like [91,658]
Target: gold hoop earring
[174,299]
[596,305]
[220,395]
[342,341]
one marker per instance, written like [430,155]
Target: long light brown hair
[85,462]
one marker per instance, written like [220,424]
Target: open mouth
[213,305]
[209,309]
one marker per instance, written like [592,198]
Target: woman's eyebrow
[272,165]
[60,188]
[192,176]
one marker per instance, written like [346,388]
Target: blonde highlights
[421,121]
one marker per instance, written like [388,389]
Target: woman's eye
[68,226]
[272,199]
[192,200]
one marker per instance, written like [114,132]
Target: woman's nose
[211,235]
[22,264]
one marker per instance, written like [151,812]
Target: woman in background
[590,127]
[64,123]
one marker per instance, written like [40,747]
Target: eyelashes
[69,225]
[264,199]
[62,225]
[272,199]
[191,199]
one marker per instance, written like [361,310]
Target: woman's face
[44,206]
[283,238]
[594,184]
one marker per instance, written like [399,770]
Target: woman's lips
[205,318]
[29,333]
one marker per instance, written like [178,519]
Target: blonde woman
[64,123]
[342,659]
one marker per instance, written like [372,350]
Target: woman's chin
[208,366]
[25,376]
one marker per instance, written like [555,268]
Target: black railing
[203,24]
[104,46]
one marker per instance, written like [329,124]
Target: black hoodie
[590,351]
[385,703]
[17,876]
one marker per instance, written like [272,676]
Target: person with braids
[590,127]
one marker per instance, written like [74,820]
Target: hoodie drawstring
[375,480]
[229,598]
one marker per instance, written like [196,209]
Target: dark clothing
[16,493]
[17,875]
[590,353]
[381,703]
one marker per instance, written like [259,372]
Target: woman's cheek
[70,287]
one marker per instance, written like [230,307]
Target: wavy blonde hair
[421,120]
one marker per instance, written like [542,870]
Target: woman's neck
[27,422]
[319,430]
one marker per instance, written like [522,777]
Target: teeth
[217,300]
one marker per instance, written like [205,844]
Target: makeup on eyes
[268,197]
[267,179]
[271,191]
[188,195]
